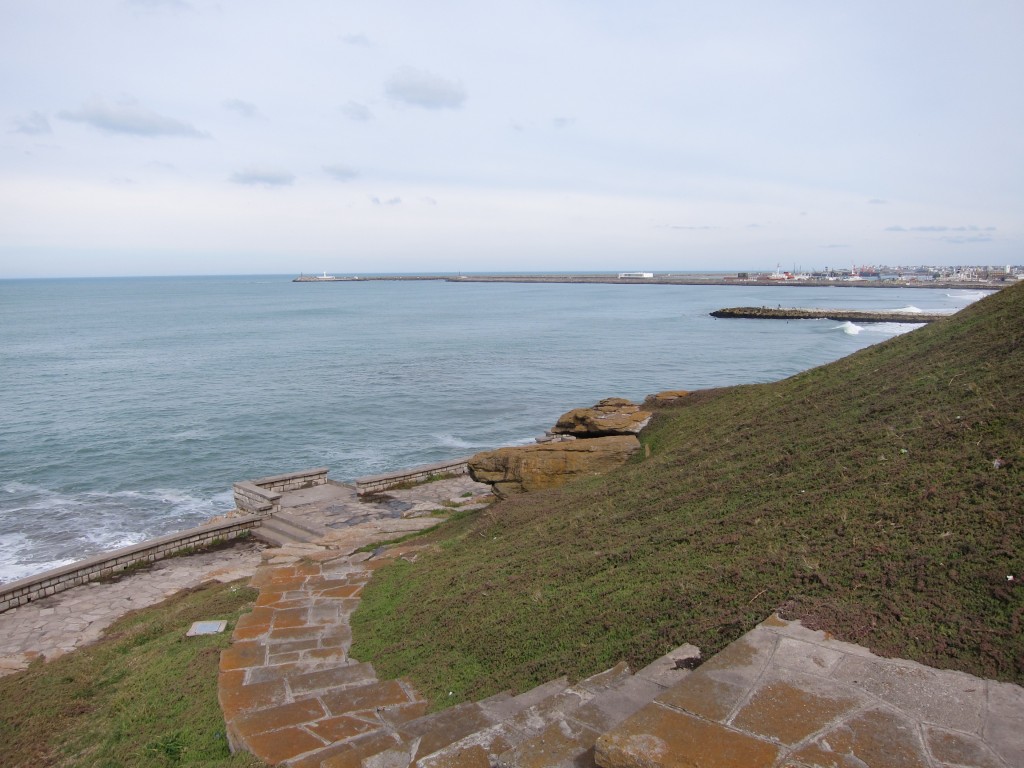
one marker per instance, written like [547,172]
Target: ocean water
[129,406]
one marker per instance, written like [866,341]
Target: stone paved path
[783,696]
[287,685]
[58,624]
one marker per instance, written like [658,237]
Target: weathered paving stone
[657,736]
[705,696]
[434,732]
[236,697]
[953,748]
[950,699]
[332,678]
[350,754]
[565,743]
[1003,717]
[341,728]
[474,756]
[277,746]
[875,738]
[373,695]
[242,655]
[790,707]
[275,718]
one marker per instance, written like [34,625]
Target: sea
[128,406]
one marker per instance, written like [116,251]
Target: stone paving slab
[783,696]
[58,624]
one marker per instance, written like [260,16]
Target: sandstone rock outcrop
[549,465]
[585,441]
[611,416]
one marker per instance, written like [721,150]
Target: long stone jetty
[687,278]
[841,315]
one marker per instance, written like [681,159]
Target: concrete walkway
[58,624]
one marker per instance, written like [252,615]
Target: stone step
[278,532]
[557,724]
[304,523]
[522,717]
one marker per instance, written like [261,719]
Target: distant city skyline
[192,137]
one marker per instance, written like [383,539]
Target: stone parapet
[250,498]
[412,476]
[108,564]
[263,496]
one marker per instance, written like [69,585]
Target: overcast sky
[157,137]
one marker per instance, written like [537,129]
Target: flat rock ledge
[611,416]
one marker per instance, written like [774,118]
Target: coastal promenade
[781,696]
[59,624]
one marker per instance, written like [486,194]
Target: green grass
[879,497]
[144,696]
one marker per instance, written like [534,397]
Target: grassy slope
[144,696]
[880,497]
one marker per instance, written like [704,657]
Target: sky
[181,137]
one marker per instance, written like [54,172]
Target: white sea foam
[909,308]
[46,528]
[849,328]
[891,329]
[12,570]
[451,441]
[968,296]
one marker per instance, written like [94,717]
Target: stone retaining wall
[413,475]
[263,496]
[107,564]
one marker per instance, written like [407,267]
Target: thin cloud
[33,124]
[971,239]
[563,122]
[940,228]
[419,88]
[691,228]
[359,40]
[130,117]
[389,201]
[835,245]
[341,172]
[158,5]
[356,111]
[243,108]
[877,201]
[263,177]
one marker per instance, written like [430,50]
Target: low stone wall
[255,500]
[109,563]
[263,496]
[413,475]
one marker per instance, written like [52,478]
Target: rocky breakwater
[584,442]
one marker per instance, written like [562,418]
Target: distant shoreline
[671,279]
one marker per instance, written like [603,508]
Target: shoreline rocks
[584,441]
[550,465]
[611,416]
